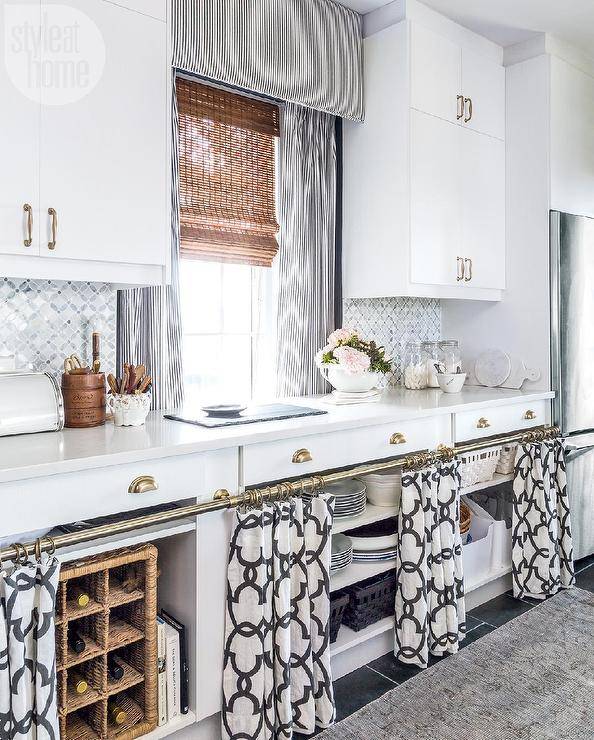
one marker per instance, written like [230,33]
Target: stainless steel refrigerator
[572,363]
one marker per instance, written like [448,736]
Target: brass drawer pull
[54,215]
[398,439]
[301,456]
[530,415]
[29,211]
[467,276]
[460,270]
[469,116]
[460,107]
[483,423]
[143,484]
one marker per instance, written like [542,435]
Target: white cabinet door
[104,154]
[435,73]
[483,208]
[435,229]
[19,130]
[483,83]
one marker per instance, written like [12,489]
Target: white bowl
[384,489]
[372,544]
[348,383]
[451,382]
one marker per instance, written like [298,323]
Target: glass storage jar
[449,355]
[431,350]
[415,366]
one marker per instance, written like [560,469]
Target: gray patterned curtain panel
[430,610]
[277,677]
[542,553]
[28,701]
[302,51]
[306,259]
[149,325]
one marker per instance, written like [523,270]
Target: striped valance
[303,51]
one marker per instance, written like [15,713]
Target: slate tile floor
[368,683]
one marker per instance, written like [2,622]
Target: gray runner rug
[531,679]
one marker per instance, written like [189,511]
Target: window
[227,163]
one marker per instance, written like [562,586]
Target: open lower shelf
[497,480]
[348,638]
[126,539]
[181,721]
[356,572]
[488,577]
[371,514]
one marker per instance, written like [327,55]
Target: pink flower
[339,335]
[351,360]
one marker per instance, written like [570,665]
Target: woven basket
[507,459]
[465,518]
[121,616]
[338,603]
[478,467]
[370,601]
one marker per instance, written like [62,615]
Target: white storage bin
[477,556]
[502,544]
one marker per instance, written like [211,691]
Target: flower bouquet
[352,364]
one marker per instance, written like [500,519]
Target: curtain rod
[276,492]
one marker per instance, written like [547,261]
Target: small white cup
[451,382]
[129,410]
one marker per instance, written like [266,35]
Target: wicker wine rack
[120,619]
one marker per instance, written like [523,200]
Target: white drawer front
[33,504]
[272,461]
[500,419]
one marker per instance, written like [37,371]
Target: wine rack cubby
[107,609]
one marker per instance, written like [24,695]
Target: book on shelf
[161,672]
[172,663]
[184,694]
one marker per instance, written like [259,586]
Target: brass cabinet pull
[301,456]
[468,261]
[143,484]
[460,269]
[530,415]
[29,211]
[398,439]
[483,423]
[54,215]
[459,107]
[468,117]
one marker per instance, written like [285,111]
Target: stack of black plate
[350,498]
[342,552]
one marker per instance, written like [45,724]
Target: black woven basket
[338,603]
[370,601]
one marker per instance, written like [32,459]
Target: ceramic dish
[375,537]
[223,410]
[346,488]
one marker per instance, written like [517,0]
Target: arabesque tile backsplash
[43,321]
[392,322]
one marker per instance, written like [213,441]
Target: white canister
[129,410]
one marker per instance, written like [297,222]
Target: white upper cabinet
[424,175]
[84,140]
[19,144]
[483,87]
[435,74]
[103,157]
[435,217]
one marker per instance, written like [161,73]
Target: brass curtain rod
[277,492]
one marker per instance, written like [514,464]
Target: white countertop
[34,455]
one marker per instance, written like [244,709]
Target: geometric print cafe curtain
[542,551]
[430,615]
[28,701]
[276,677]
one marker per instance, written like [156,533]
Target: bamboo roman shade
[226,175]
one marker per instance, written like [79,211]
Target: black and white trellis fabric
[430,611]
[277,677]
[542,553]
[28,701]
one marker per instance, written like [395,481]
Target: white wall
[519,324]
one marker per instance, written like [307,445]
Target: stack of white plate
[375,542]
[342,552]
[350,498]
[384,488]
